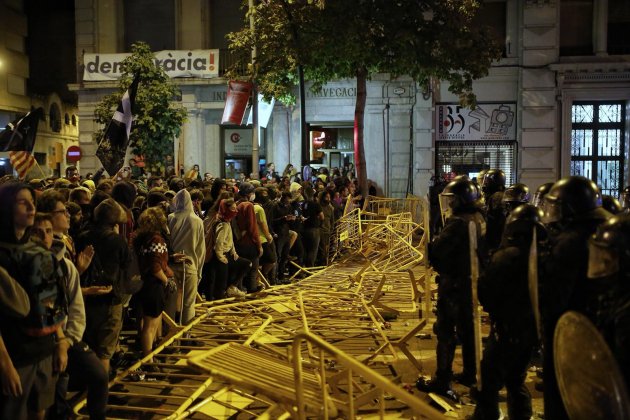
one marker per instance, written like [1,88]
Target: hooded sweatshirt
[187,233]
[75,325]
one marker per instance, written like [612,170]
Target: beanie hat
[89,184]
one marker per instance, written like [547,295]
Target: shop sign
[495,121]
[333,92]
[176,63]
[238,141]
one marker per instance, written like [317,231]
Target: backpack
[124,284]
[95,275]
[43,278]
[210,237]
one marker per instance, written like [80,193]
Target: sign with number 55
[486,122]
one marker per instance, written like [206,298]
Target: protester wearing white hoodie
[187,237]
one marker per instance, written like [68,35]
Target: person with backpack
[103,305]
[33,349]
[84,370]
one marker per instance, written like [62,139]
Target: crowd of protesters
[187,236]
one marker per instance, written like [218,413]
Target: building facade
[59,129]
[554,105]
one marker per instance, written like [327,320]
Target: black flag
[111,150]
[20,134]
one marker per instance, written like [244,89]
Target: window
[331,146]
[40,158]
[618,26]
[493,16]
[576,27]
[597,143]
[158,30]
[54,117]
[225,16]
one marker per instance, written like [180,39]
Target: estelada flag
[22,161]
[21,133]
[113,146]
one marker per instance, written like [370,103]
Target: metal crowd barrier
[318,347]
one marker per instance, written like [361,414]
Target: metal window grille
[598,145]
[468,158]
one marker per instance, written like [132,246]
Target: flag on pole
[22,161]
[112,147]
[21,133]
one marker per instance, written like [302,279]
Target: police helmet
[515,195]
[480,176]
[520,225]
[609,247]
[611,204]
[493,181]
[541,192]
[461,193]
[570,198]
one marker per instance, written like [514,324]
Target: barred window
[598,144]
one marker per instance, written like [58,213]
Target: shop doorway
[469,158]
[331,146]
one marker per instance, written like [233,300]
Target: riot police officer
[541,192]
[504,293]
[609,270]
[573,206]
[450,256]
[514,196]
[493,188]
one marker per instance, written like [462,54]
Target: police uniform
[504,293]
[563,282]
[450,257]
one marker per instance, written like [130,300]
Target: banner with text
[486,122]
[180,63]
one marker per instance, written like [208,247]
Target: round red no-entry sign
[73,154]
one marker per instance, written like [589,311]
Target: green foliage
[157,118]
[334,39]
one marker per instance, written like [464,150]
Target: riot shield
[428,271]
[445,206]
[474,280]
[589,379]
[532,277]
